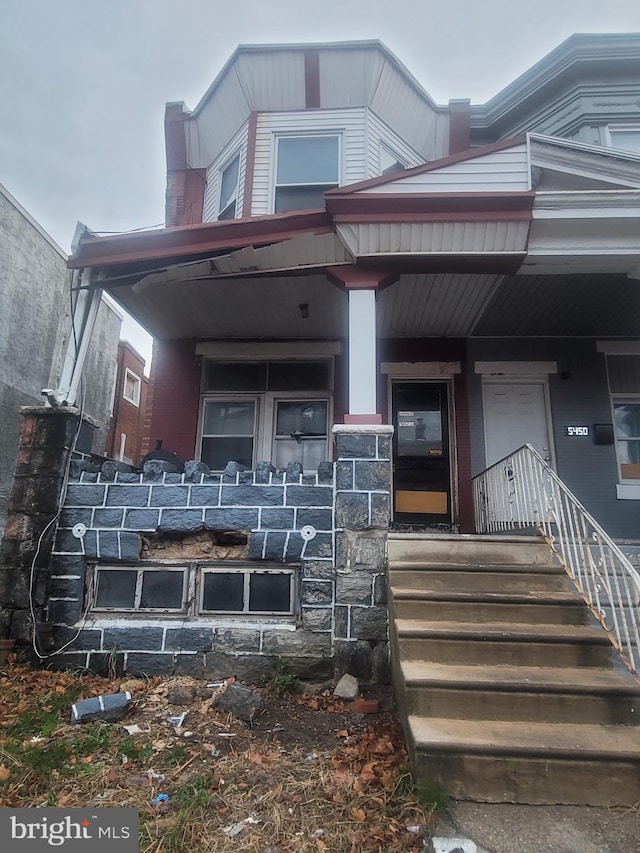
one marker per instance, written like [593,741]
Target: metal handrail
[522,491]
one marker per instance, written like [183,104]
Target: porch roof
[480,221]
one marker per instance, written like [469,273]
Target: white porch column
[362,353]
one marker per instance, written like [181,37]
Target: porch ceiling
[266,307]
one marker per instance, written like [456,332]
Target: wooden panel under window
[422,502]
[630,470]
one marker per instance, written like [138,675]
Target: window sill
[628,492]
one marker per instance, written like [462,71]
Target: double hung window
[273,410]
[306,167]
[229,182]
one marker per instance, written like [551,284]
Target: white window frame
[626,489]
[631,127]
[137,381]
[634,399]
[248,571]
[236,197]
[311,134]
[140,571]
[266,409]
[231,397]
[384,146]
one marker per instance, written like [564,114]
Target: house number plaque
[576,430]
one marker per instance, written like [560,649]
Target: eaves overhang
[192,241]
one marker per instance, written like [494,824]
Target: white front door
[515,413]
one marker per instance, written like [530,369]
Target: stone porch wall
[332,525]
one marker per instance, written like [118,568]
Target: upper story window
[306,167]
[229,183]
[390,161]
[132,384]
[626,137]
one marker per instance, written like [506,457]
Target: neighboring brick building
[124,438]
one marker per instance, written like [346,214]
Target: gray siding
[582,398]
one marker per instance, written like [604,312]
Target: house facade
[361,300]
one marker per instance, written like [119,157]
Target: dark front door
[422,480]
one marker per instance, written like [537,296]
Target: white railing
[521,491]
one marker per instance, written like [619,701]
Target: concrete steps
[506,684]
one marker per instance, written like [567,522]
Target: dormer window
[229,181]
[390,161]
[306,167]
[626,137]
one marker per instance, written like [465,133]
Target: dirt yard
[308,773]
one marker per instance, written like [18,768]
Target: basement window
[247,590]
[140,589]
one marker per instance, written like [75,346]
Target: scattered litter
[135,729]
[178,720]
[158,777]
[215,753]
[313,756]
[226,734]
[276,730]
[187,734]
[161,798]
[318,833]
[237,828]
[414,828]
[453,845]
[111,707]
[217,684]
[124,759]
[36,739]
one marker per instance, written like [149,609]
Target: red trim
[363,419]
[357,278]
[312,79]
[431,206]
[200,239]
[247,197]
[459,126]
[428,167]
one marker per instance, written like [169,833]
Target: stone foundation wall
[330,527]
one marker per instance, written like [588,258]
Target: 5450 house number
[576,430]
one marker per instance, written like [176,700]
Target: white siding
[401,106]
[350,123]
[378,131]
[221,117]
[500,171]
[405,238]
[210,207]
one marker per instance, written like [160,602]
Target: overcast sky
[84,83]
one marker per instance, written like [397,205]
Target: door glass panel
[421,453]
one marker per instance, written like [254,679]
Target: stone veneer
[341,620]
